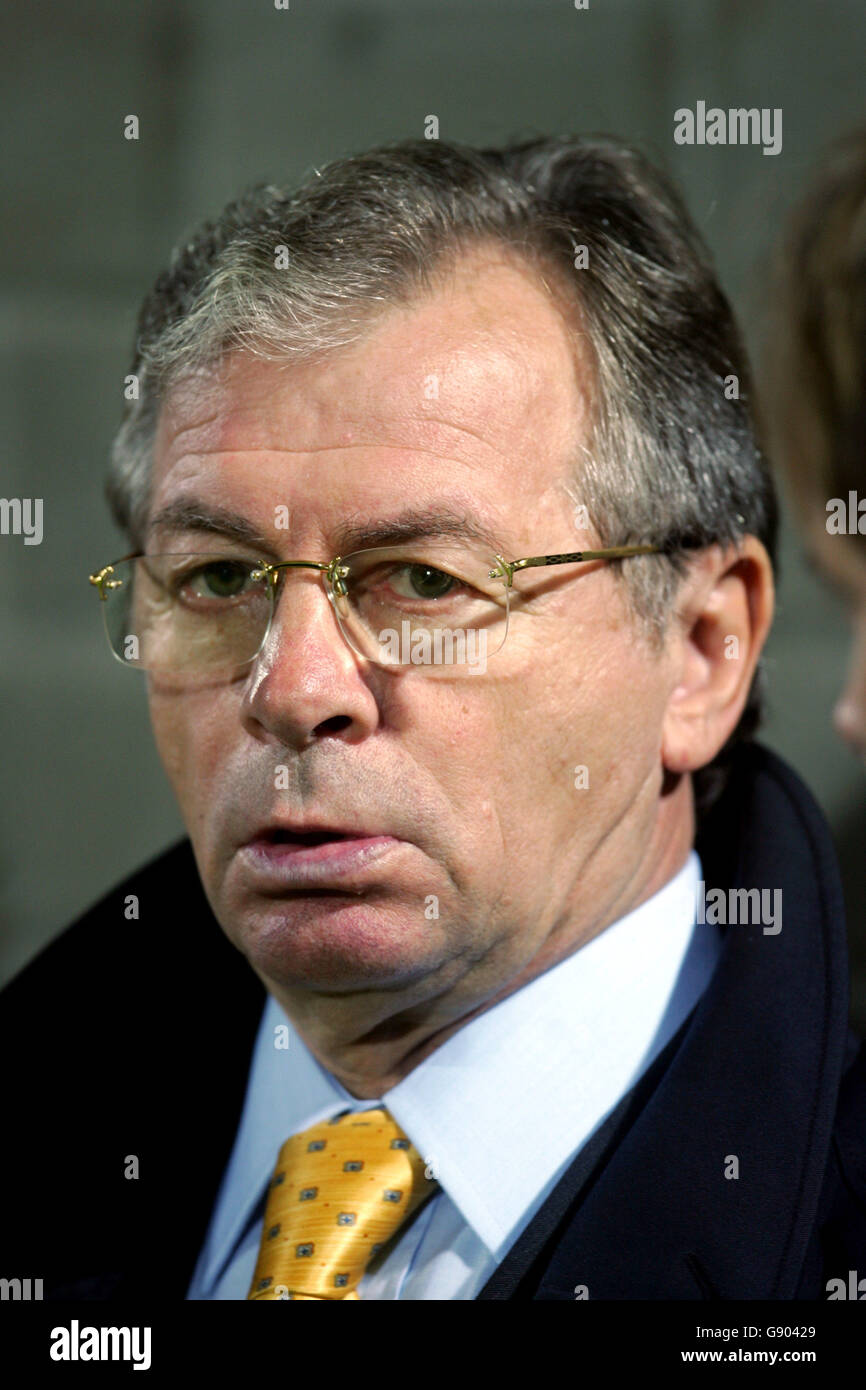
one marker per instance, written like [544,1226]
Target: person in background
[812,404]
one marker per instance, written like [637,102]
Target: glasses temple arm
[506,568]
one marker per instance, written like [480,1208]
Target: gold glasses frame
[334,571]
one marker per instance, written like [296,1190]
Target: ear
[724,612]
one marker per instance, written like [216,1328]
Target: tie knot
[340,1190]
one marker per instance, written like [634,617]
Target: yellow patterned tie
[339,1192]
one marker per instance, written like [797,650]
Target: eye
[422,581]
[221,579]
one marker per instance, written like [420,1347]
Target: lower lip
[289,865]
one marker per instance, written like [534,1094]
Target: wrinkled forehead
[474,387]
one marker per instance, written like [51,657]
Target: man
[530,981]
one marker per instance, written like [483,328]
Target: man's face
[484,855]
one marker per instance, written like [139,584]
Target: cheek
[584,733]
[191,732]
[502,755]
[458,735]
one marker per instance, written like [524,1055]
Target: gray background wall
[228,93]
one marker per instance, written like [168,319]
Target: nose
[307,683]
[849,714]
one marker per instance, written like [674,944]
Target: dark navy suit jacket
[134,1037]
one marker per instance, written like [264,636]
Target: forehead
[475,386]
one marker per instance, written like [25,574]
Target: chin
[329,943]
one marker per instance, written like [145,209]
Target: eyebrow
[433,521]
[192,515]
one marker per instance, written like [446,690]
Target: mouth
[284,858]
[279,836]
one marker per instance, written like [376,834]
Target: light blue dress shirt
[499,1110]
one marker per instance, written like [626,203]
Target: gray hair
[672,456]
